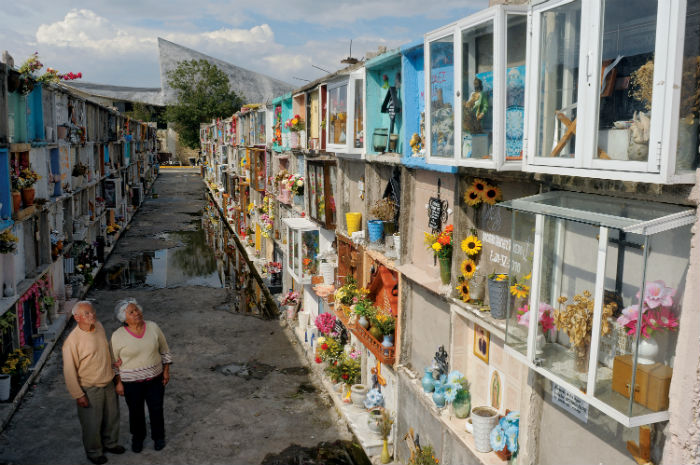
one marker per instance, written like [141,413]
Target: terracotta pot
[28,196]
[16,201]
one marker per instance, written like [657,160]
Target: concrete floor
[210,417]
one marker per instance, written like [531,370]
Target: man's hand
[119,388]
[83,402]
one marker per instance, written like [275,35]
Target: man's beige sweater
[87,361]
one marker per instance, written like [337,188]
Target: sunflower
[479,185]
[468,268]
[520,290]
[463,291]
[471,245]
[491,195]
[472,197]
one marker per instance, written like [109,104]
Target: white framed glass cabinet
[475,88]
[606,277]
[613,90]
[302,249]
[345,118]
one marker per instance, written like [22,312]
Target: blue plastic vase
[376,230]
[439,396]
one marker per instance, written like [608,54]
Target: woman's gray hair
[122,305]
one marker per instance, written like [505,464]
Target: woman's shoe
[136,445]
[159,444]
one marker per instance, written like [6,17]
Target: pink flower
[656,293]
[546,320]
[629,315]
[666,319]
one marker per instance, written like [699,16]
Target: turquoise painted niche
[413,97]
[5,191]
[35,115]
[383,74]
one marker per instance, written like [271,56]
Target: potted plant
[289,302]
[27,178]
[16,365]
[8,242]
[385,211]
[385,423]
[441,246]
[364,309]
[386,324]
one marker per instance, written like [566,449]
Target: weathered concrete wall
[427,322]
[350,175]
[683,433]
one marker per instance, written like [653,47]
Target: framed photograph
[481,343]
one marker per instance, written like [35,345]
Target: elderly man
[87,368]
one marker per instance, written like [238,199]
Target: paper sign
[569,402]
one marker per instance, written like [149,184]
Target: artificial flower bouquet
[504,437]
[291,298]
[296,184]
[657,313]
[440,243]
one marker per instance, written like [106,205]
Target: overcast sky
[115,42]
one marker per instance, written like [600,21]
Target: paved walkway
[211,416]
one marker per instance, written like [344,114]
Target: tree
[146,112]
[203,93]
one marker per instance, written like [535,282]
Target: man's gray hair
[80,304]
[122,305]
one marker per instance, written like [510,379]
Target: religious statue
[475,108]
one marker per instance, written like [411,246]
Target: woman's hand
[117,364]
[166,374]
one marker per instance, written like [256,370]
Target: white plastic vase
[647,351]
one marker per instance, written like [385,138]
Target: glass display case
[258,173]
[616,92]
[321,185]
[302,249]
[475,88]
[345,127]
[259,118]
[588,264]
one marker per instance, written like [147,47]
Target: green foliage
[203,93]
[147,113]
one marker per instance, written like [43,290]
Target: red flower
[324,346]
[443,239]
[344,376]
[449,228]
[318,360]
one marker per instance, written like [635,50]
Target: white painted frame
[295,228]
[333,85]
[497,16]
[668,55]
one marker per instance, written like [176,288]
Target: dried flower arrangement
[576,320]
[642,84]
[384,209]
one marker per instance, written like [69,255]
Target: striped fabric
[141,374]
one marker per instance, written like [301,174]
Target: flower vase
[362,321]
[462,405]
[581,358]
[298,200]
[647,351]
[358,393]
[439,396]
[5,385]
[385,457]
[294,139]
[484,419]
[477,288]
[498,298]
[445,269]
[353,221]
[16,201]
[376,230]
[388,340]
[427,380]
[291,311]
[375,332]
[540,343]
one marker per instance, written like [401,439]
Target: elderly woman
[143,370]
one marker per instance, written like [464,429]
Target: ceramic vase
[439,396]
[462,405]
[385,457]
[376,333]
[484,419]
[358,392]
[373,420]
[362,321]
[445,269]
[647,351]
[427,381]
[16,201]
[388,340]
